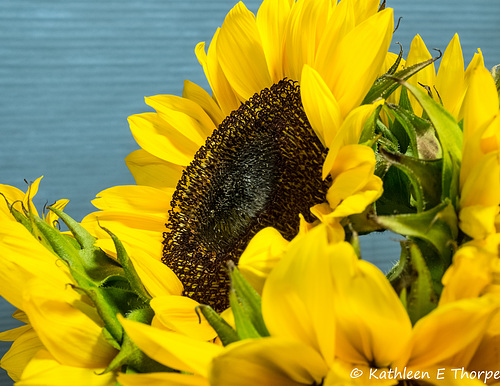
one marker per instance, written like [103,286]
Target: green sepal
[106,308]
[423,141]
[84,238]
[20,218]
[397,191]
[413,281]
[388,139]
[128,267]
[249,299]
[97,265]
[437,226]
[244,326]
[424,175]
[134,360]
[450,137]
[61,247]
[369,129]
[354,239]
[388,83]
[226,333]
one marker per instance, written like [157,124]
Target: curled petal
[177,313]
[296,296]
[449,329]
[45,370]
[153,171]
[66,325]
[172,349]
[260,256]
[268,361]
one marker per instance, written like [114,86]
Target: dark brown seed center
[261,167]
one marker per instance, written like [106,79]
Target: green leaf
[451,138]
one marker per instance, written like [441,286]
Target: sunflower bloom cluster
[236,258]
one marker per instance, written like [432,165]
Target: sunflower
[329,313]
[218,168]
[62,337]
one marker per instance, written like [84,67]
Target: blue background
[72,71]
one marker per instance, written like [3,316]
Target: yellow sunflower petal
[260,256]
[158,279]
[490,138]
[11,194]
[339,25]
[178,313]
[468,276]
[306,20]
[450,80]
[24,258]
[297,294]
[356,72]
[153,171]
[13,334]
[158,138]
[268,362]
[481,101]
[348,183]
[21,352]
[480,197]
[134,198]
[363,9]
[184,115]
[172,349]
[198,95]
[487,356]
[271,22]
[358,201]
[372,324]
[161,379]
[449,329]
[478,221]
[45,370]
[418,54]
[240,53]
[31,192]
[137,231]
[66,325]
[349,133]
[223,93]
[321,107]
[51,218]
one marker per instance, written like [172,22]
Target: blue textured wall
[72,71]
